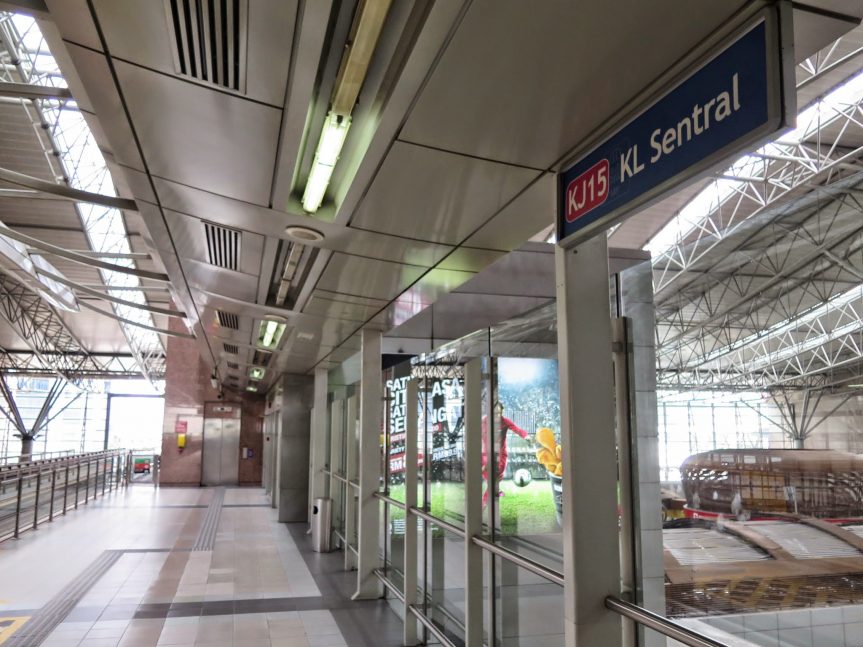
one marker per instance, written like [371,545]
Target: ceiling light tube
[333,136]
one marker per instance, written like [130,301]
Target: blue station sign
[732,103]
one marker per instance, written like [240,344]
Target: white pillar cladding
[410,637]
[473,556]
[590,524]
[337,432]
[368,522]
[636,304]
[351,476]
[318,453]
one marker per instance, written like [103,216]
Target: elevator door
[221,451]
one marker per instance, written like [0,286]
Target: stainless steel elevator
[221,451]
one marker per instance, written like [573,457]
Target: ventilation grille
[231,348]
[210,40]
[228,320]
[223,246]
[234,367]
[261,358]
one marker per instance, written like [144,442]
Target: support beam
[66,192]
[368,522]
[590,524]
[27,91]
[78,258]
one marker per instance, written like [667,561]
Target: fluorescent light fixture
[333,136]
[257,373]
[251,388]
[270,333]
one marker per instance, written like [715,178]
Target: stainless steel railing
[33,493]
[642,616]
[660,624]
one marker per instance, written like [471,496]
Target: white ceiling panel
[324,305]
[234,285]
[367,277]
[521,82]
[139,32]
[191,242]
[197,136]
[432,195]
[272,223]
[529,213]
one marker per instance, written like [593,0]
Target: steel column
[410,637]
[473,557]
[368,526]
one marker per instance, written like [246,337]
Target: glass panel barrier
[444,590]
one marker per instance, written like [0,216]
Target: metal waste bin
[322,517]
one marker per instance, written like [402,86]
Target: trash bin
[322,515]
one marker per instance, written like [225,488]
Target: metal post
[351,475]
[409,637]
[18,507]
[105,473]
[87,483]
[77,483]
[473,557]
[36,501]
[337,432]
[96,480]
[66,488]
[368,526]
[590,523]
[53,484]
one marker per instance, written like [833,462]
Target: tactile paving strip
[35,630]
[207,536]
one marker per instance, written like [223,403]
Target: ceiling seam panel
[419,90]
[479,158]
[288,82]
[134,133]
[504,206]
[183,79]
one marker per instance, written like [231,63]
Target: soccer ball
[522,477]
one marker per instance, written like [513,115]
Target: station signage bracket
[737,98]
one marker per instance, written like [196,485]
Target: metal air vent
[223,246]
[231,348]
[209,40]
[261,358]
[228,320]
[233,366]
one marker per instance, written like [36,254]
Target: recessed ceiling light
[304,234]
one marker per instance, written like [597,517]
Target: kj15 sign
[730,104]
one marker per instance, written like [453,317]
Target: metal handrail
[432,627]
[26,469]
[438,522]
[6,458]
[56,482]
[520,560]
[391,501]
[662,625]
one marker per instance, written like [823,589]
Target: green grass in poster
[527,510]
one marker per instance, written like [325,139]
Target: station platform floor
[181,566]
